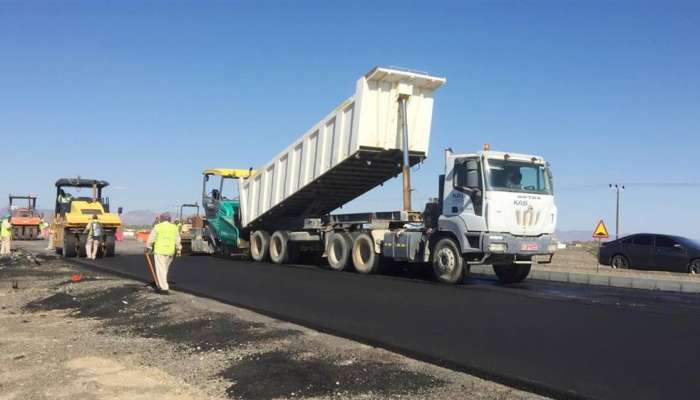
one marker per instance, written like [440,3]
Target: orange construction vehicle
[26,222]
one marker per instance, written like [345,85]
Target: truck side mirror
[472,174]
[120,210]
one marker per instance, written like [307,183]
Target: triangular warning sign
[600,232]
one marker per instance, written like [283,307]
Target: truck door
[464,193]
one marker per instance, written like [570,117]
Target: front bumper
[521,246]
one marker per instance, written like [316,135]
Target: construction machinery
[26,222]
[75,209]
[191,229]
[222,209]
[491,208]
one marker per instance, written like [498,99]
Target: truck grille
[527,218]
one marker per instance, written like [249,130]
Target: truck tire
[82,251]
[447,260]
[260,246]
[512,273]
[70,245]
[338,249]
[365,260]
[110,245]
[280,247]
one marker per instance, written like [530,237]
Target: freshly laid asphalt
[561,340]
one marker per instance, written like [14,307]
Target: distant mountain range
[139,217]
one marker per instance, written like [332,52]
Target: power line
[635,184]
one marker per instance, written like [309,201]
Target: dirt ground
[105,337]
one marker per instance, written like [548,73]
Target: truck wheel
[279,247]
[260,245]
[512,273]
[70,245]
[364,258]
[448,264]
[109,246]
[338,250]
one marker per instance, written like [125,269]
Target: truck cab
[500,208]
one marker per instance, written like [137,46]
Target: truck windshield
[515,176]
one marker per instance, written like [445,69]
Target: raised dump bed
[355,148]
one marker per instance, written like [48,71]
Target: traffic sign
[600,232]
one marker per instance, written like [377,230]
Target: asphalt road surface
[557,339]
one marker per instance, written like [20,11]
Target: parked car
[652,252]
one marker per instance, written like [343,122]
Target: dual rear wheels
[344,250]
[276,248]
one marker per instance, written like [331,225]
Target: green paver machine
[222,209]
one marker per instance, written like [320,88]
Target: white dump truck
[492,207]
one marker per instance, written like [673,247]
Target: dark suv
[652,252]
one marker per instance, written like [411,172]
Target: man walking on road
[164,243]
[94,232]
[5,236]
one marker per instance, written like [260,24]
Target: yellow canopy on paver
[229,172]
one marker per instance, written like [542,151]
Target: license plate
[528,247]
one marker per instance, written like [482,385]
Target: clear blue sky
[147,94]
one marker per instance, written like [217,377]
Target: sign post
[599,233]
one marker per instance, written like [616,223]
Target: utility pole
[617,187]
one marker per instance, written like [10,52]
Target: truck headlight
[498,247]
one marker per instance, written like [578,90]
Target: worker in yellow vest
[164,243]
[5,236]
